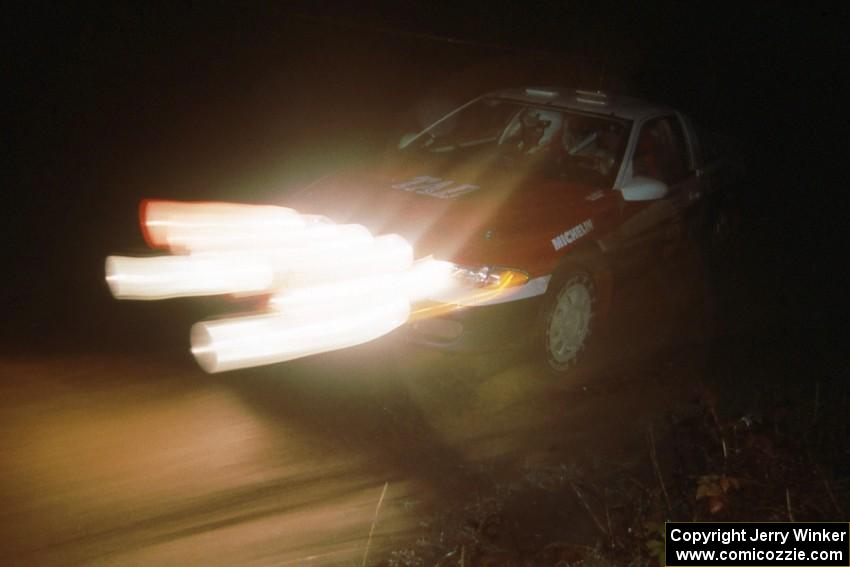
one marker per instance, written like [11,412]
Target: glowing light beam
[330,286]
[164,277]
[255,340]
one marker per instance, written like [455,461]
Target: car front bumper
[477,328]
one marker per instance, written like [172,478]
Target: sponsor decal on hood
[435,187]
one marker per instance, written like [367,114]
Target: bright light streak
[314,235]
[428,277]
[424,278]
[327,299]
[331,286]
[182,227]
[340,260]
[243,342]
[163,277]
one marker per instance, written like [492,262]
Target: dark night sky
[79,73]
[111,103]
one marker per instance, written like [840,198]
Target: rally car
[543,194]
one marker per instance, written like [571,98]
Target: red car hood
[463,214]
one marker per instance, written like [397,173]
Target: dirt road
[116,458]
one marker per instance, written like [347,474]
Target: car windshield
[555,143]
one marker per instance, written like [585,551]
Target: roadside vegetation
[776,452]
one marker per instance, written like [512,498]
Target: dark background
[112,103]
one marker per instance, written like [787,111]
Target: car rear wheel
[567,320]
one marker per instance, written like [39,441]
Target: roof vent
[592,97]
[542,93]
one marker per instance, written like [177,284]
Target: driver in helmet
[533,129]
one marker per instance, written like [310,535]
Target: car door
[661,153]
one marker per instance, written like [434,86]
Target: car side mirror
[640,188]
[406,139]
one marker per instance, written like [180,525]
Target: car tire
[566,321]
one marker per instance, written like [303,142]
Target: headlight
[489,277]
[466,286]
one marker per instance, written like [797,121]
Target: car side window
[661,152]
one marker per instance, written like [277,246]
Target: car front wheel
[567,320]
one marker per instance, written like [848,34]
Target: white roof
[586,101]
